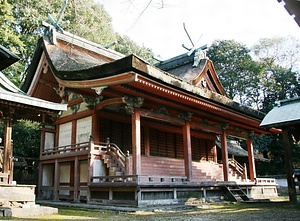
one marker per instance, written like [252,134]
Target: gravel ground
[269,211]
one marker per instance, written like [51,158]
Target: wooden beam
[206,127]
[161,117]
[111,101]
[136,142]
[251,160]
[288,158]
[187,148]
[224,155]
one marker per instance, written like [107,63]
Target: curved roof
[16,102]
[286,113]
[76,62]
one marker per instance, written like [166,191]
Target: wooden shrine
[134,133]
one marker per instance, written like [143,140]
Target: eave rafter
[205,109]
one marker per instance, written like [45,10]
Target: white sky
[161,29]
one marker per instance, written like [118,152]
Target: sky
[160,25]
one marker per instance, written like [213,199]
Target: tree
[127,46]
[85,18]
[235,67]
[20,22]
[281,51]
[259,83]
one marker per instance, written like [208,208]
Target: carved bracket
[132,102]
[163,111]
[92,101]
[185,115]
[75,108]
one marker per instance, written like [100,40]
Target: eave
[126,70]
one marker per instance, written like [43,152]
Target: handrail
[112,149]
[238,167]
[65,149]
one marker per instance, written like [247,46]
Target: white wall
[83,171]
[47,176]
[49,140]
[84,129]
[98,169]
[65,134]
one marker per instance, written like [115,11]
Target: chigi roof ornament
[199,53]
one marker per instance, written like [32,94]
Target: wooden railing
[111,149]
[241,170]
[66,149]
[265,181]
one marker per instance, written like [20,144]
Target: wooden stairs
[235,193]
[114,167]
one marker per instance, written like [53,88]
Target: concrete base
[27,211]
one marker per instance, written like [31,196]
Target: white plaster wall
[65,133]
[64,176]
[83,171]
[49,140]
[64,172]
[98,169]
[84,129]
[47,175]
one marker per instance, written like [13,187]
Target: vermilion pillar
[224,155]
[187,147]
[252,169]
[136,142]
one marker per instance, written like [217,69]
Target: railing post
[245,172]
[127,164]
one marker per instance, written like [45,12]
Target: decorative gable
[196,69]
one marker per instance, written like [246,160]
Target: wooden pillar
[91,159]
[147,141]
[43,134]
[76,179]
[74,132]
[136,142]
[95,127]
[215,155]
[40,181]
[224,155]
[56,181]
[7,149]
[288,158]
[187,147]
[251,160]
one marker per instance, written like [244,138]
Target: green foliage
[26,139]
[260,83]
[21,21]
[126,46]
